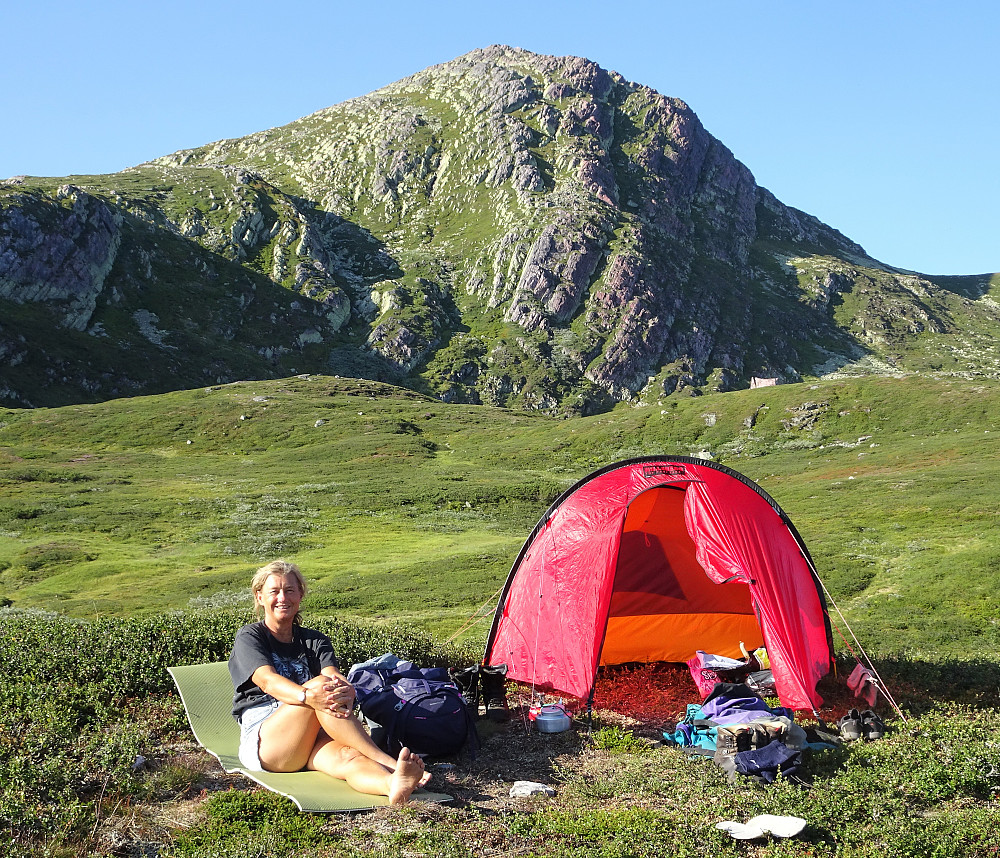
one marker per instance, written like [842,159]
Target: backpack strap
[394,728]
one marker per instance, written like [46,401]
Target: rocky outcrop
[57,251]
[505,228]
[556,273]
[411,324]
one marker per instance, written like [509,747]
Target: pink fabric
[862,683]
[739,534]
[552,620]
[705,680]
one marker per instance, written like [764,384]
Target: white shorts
[250,723]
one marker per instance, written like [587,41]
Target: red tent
[653,559]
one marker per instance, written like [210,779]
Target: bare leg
[351,732]
[292,736]
[364,774]
[287,738]
[347,764]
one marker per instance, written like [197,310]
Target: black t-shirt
[302,659]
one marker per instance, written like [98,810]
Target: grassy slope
[401,506]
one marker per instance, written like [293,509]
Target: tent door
[663,605]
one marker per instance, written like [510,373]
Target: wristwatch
[302,696]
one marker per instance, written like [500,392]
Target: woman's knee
[318,681]
[334,757]
[346,754]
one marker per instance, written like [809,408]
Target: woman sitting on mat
[295,708]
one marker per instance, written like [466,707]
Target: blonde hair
[284,568]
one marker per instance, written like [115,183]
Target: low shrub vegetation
[89,766]
[618,740]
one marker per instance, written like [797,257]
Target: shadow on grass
[918,685]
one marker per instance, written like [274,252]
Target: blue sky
[880,118]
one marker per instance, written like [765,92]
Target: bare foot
[406,778]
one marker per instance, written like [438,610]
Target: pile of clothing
[746,737]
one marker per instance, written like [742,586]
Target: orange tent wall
[663,605]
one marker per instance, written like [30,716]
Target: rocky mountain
[506,228]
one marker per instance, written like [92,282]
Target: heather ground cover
[98,760]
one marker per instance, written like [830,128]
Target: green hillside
[398,505]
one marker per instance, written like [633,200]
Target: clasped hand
[334,695]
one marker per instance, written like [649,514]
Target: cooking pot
[552,719]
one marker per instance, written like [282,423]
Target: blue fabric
[739,710]
[686,736]
[251,720]
[382,662]
[690,733]
[768,761]
[419,708]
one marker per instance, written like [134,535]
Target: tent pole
[590,711]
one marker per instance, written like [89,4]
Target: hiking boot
[492,684]
[467,680]
[871,726]
[730,741]
[850,725]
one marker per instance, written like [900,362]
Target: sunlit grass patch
[400,503]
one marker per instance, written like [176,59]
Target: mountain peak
[504,228]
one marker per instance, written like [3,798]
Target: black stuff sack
[417,708]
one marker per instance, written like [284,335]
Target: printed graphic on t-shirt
[295,669]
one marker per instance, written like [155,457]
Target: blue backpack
[417,708]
